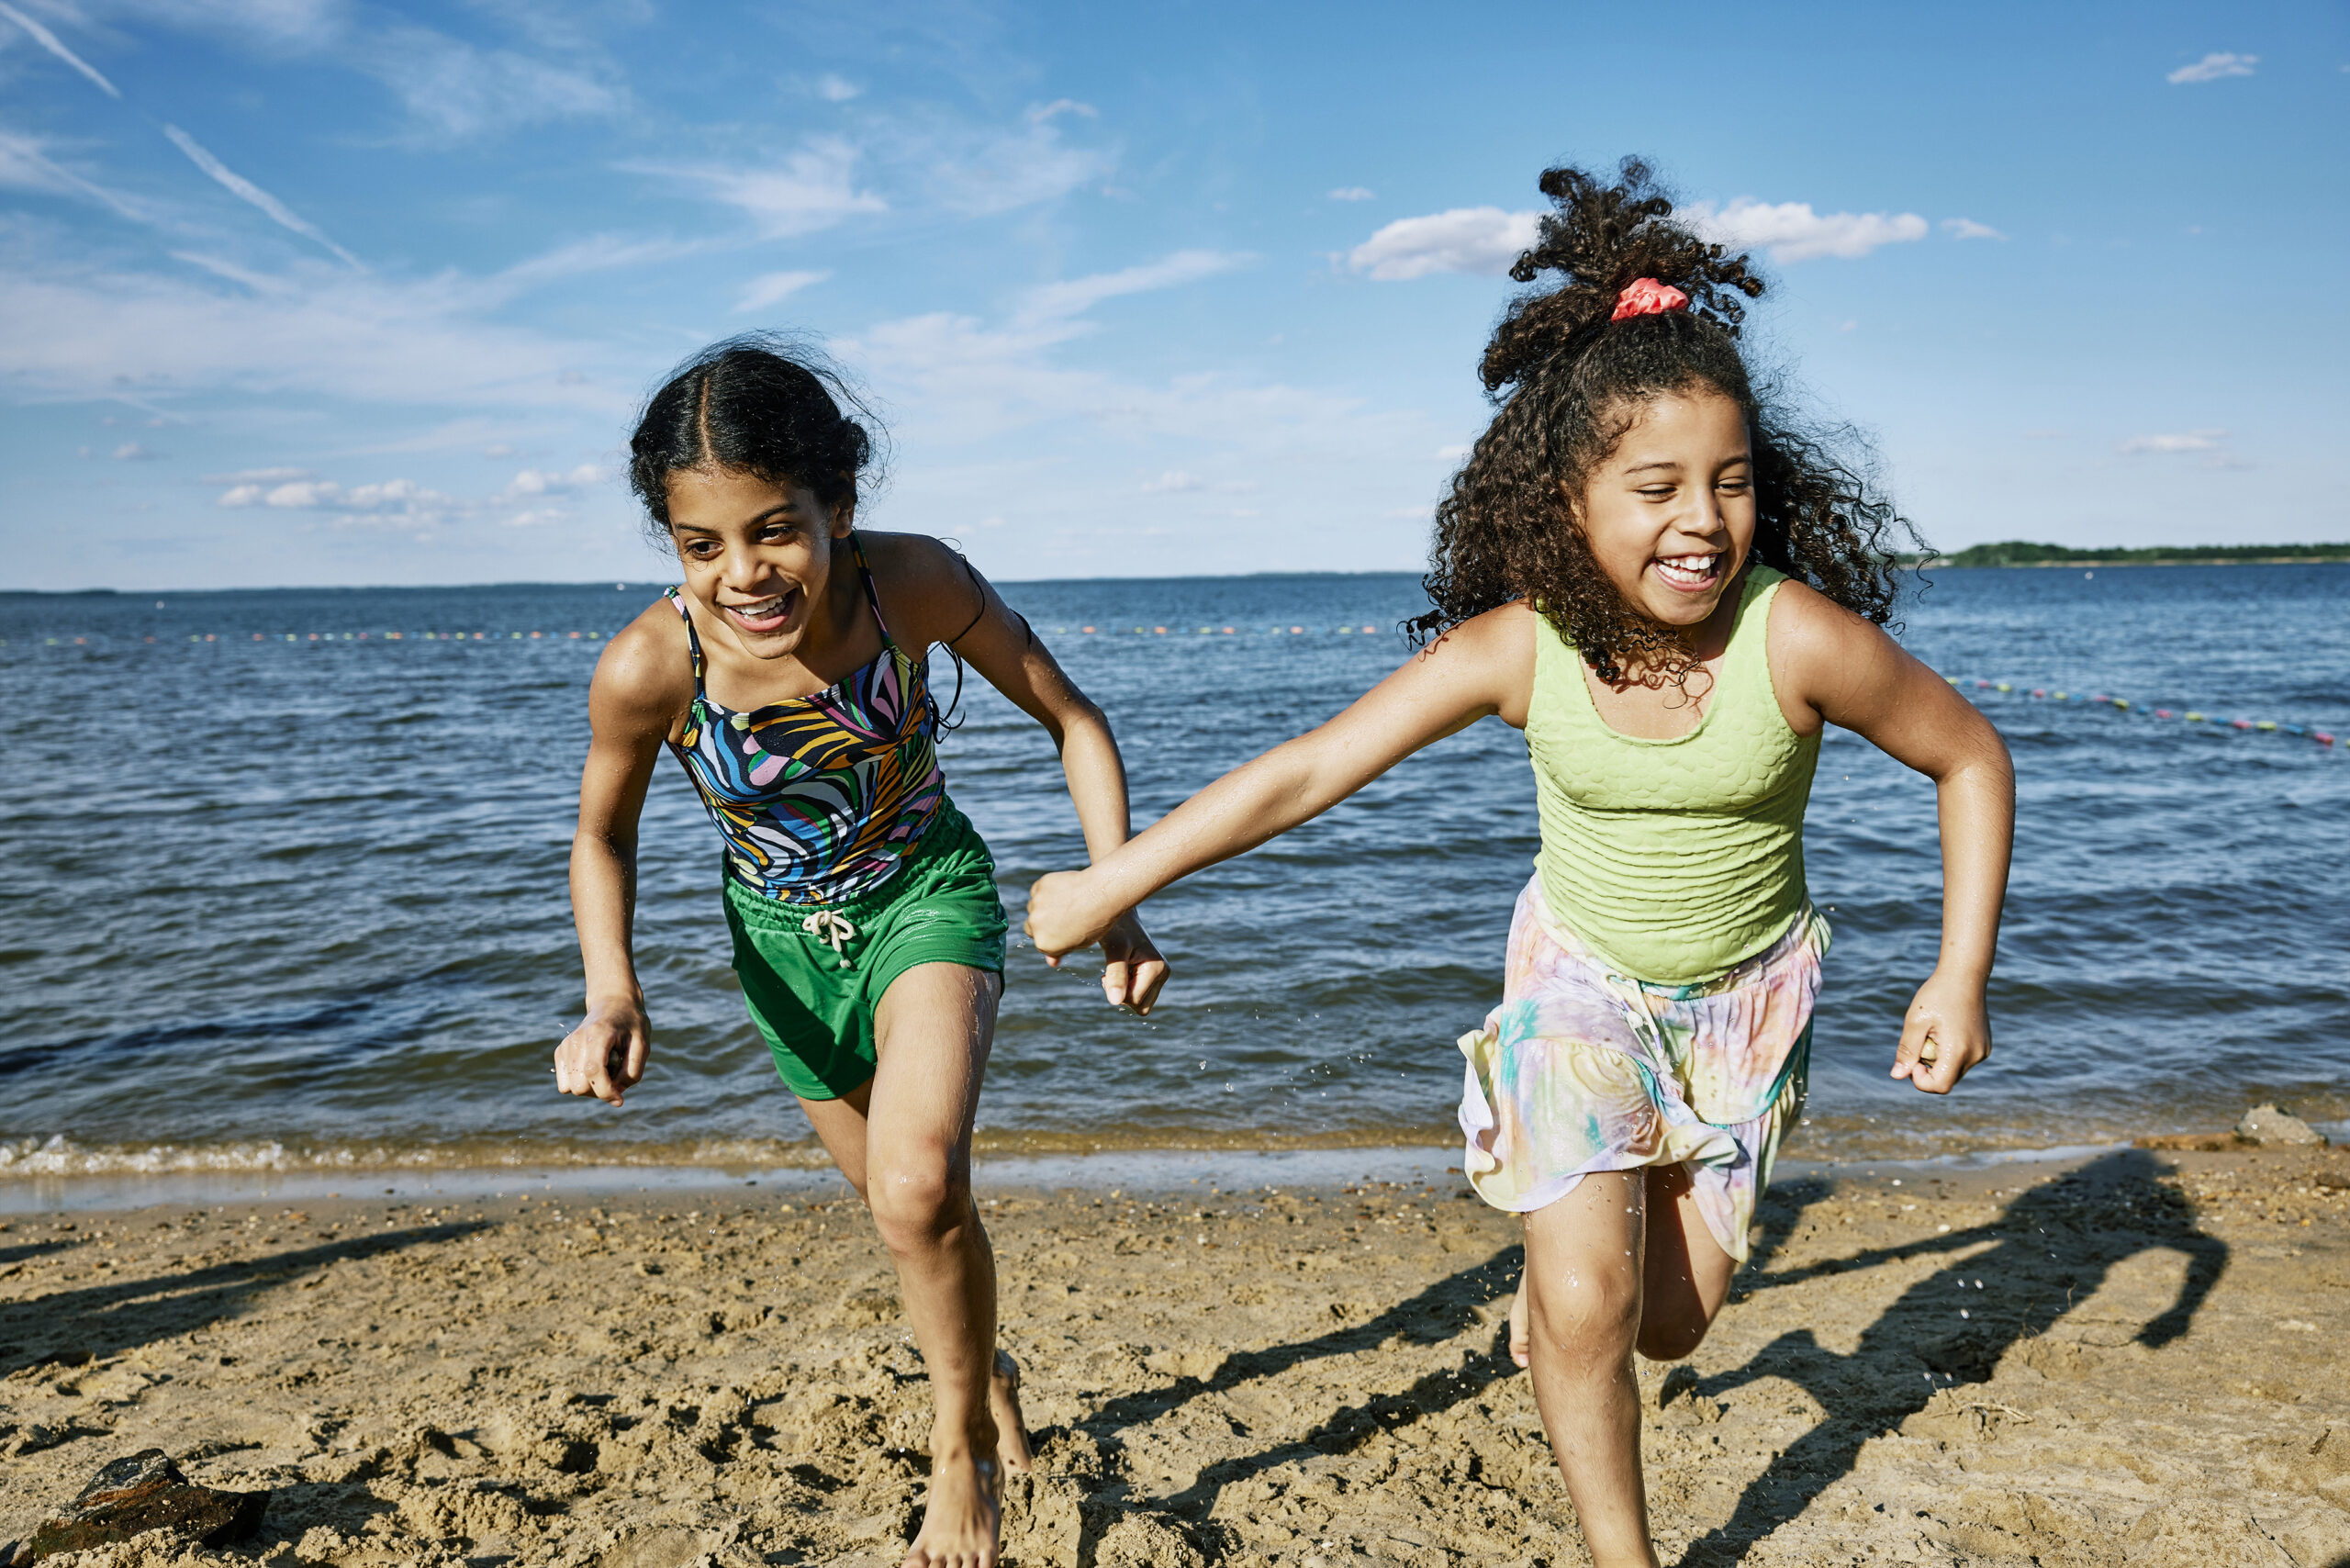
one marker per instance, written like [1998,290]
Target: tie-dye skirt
[1582,1069]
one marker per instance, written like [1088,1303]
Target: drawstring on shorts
[832,928]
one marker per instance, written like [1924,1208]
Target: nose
[741,569]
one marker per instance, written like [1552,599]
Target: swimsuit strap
[693,639]
[864,573]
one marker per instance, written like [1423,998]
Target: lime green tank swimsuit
[1675,859]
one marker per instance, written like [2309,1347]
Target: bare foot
[1521,1348]
[1003,1403]
[958,1528]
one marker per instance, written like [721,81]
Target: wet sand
[2135,1358]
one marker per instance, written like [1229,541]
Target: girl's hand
[1947,1032]
[1065,914]
[606,1054]
[1132,971]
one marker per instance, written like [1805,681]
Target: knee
[917,1204]
[1591,1320]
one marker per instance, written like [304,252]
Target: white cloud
[1482,240]
[1060,302]
[1967,228]
[836,89]
[538,482]
[460,92]
[132,451]
[1354,193]
[766,290]
[1794,232]
[245,190]
[245,476]
[598,252]
[1173,482]
[811,190]
[2212,67]
[974,171]
[1042,113]
[2191,440]
[25,165]
[496,449]
[50,41]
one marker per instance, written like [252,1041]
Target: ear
[844,518]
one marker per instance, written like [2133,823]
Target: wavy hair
[1569,382]
[759,404]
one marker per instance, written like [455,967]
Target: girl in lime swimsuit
[789,676]
[1646,567]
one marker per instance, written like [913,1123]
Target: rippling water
[275,901]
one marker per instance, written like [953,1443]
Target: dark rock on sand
[146,1491]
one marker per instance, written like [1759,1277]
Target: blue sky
[320,291]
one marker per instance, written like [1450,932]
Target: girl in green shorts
[789,674]
[1671,589]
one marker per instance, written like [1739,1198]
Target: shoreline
[1235,1171]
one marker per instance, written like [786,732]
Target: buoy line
[2124,705]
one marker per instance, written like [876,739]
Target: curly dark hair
[760,403]
[1570,382]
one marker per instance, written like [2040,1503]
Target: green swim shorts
[815,1005]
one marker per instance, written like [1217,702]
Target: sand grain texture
[2135,1362]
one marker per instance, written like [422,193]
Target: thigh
[932,1029]
[840,1125]
[1688,1274]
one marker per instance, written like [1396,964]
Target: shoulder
[646,673]
[1817,647]
[927,589]
[1492,653]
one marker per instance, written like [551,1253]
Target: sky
[315,292]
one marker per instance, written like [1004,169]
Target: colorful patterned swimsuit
[821,798]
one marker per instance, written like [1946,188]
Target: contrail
[246,190]
[48,40]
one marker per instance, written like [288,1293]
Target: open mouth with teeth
[1691,573]
[763,615]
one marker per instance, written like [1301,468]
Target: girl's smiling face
[758,554]
[1670,514]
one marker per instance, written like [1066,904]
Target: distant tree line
[2020,553]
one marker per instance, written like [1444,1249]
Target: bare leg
[904,1141]
[1583,1294]
[1686,1280]
[1689,1274]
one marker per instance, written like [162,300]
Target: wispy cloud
[1354,193]
[459,91]
[2212,67]
[531,482]
[808,191]
[2190,441]
[1060,302]
[1967,228]
[836,89]
[245,190]
[132,451]
[50,41]
[767,289]
[1044,113]
[1172,482]
[1792,231]
[25,165]
[597,253]
[1482,240]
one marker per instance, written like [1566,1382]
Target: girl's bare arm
[641,685]
[1483,666]
[1853,675]
[961,608]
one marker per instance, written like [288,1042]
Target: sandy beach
[2133,1357]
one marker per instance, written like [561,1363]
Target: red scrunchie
[1646,297]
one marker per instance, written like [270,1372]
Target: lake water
[286,890]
